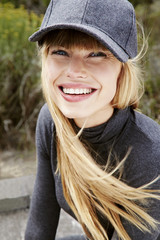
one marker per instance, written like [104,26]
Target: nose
[76,68]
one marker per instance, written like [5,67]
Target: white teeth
[77,91]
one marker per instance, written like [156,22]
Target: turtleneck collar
[107,131]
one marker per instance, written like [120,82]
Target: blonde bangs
[69,38]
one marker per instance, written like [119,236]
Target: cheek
[108,80]
[109,83]
[110,89]
[53,70]
[112,75]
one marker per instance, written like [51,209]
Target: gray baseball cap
[111,22]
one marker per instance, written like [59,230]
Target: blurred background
[21,99]
[20,87]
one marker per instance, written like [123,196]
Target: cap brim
[94,32]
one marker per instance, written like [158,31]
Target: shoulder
[143,138]
[147,127]
[44,129]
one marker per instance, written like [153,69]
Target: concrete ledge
[15,193]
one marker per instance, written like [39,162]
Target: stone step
[15,193]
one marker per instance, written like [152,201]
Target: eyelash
[98,54]
[60,52]
[64,53]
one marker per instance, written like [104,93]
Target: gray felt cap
[111,22]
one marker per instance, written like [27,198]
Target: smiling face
[83,82]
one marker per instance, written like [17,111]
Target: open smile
[72,94]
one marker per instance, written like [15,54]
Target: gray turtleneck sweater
[125,129]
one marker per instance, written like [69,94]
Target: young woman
[98,158]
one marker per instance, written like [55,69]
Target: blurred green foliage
[137,2]
[19,75]
[38,6]
[149,16]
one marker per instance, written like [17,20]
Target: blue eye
[97,54]
[60,52]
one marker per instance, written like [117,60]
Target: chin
[73,115]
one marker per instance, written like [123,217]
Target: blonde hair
[88,187]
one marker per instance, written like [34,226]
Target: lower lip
[76,98]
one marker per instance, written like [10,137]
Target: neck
[95,120]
